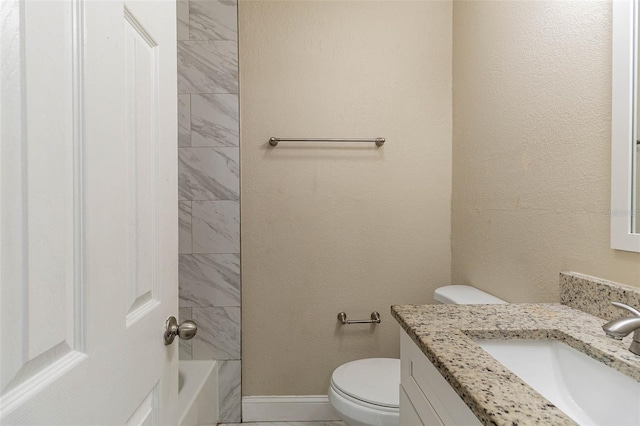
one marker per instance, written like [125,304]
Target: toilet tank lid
[465,295]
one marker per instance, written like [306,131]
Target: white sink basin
[584,389]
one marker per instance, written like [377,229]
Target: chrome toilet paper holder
[375,319]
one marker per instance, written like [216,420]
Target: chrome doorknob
[185,331]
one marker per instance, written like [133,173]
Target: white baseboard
[291,408]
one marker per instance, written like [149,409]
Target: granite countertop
[495,395]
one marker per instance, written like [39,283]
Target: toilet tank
[464,295]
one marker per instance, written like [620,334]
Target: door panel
[147,411]
[42,310]
[141,95]
[88,212]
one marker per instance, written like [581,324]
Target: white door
[88,212]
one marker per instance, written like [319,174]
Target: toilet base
[358,413]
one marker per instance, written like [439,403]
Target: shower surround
[209,200]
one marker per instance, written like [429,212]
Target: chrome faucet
[619,328]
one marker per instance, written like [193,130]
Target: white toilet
[365,392]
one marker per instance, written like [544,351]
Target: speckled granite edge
[496,396]
[594,295]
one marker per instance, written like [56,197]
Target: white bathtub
[198,393]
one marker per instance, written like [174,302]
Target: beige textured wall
[354,228]
[532,147]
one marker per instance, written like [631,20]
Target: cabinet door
[409,416]
[428,391]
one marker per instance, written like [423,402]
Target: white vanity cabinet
[425,396]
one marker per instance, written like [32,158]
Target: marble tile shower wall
[209,190]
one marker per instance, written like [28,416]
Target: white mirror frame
[624,103]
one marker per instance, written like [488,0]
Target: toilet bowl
[365,392]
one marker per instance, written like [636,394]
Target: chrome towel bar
[274,141]
[375,319]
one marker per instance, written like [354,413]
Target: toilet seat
[372,381]
[346,398]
